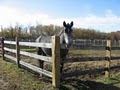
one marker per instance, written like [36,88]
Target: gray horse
[65,38]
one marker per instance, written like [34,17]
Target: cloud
[107,23]
[11,16]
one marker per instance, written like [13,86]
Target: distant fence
[55,58]
[108,47]
[94,42]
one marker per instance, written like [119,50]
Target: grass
[112,80]
[28,49]
[13,78]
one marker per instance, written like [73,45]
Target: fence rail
[106,58]
[55,74]
[84,59]
[83,72]
[55,58]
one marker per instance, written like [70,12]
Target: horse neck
[61,35]
[61,32]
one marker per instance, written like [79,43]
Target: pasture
[13,78]
[85,81]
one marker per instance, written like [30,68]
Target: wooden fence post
[108,58]
[17,52]
[56,61]
[3,51]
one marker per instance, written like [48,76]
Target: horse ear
[71,23]
[64,24]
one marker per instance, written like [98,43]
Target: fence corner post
[56,61]
[17,52]
[3,51]
[108,58]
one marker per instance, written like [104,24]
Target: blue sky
[102,15]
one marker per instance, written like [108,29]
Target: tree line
[32,32]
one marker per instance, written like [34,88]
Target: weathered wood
[44,58]
[35,44]
[17,52]
[115,67]
[83,59]
[67,60]
[36,69]
[56,61]
[115,48]
[108,55]
[82,72]
[88,47]
[115,58]
[3,52]
[10,42]
[10,50]
[11,57]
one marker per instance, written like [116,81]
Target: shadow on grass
[114,81]
[74,84]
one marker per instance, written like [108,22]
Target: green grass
[113,80]
[28,49]
[19,79]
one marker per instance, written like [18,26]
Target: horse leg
[63,56]
[61,67]
[40,62]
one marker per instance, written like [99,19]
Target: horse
[65,38]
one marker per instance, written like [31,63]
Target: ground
[13,78]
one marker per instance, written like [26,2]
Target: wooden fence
[108,47]
[95,42]
[55,58]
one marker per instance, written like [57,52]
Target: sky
[101,15]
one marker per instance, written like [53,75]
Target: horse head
[67,37]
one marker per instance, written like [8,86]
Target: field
[13,78]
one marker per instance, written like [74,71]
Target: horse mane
[59,33]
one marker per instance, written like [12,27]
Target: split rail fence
[107,59]
[55,59]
